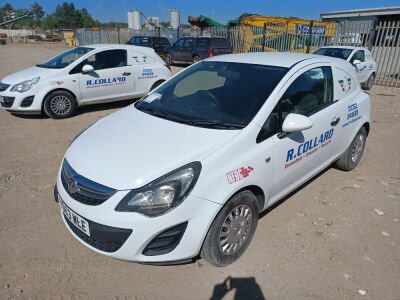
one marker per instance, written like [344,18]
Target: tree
[38,13]
[49,22]
[86,19]
[65,15]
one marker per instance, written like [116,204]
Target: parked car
[159,44]
[81,76]
[188,168]
[192,50]
[359,57]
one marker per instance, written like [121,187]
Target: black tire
[53,105]
[350,159]
[196,59]
[168,59]
[156,84]
[370,82]
[213,247]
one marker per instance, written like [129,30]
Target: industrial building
[369,16]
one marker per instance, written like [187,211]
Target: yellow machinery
[283,34]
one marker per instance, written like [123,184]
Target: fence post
[177,32]
[119,38]
[264,36]
[310,36]
[100,36]
[92,36]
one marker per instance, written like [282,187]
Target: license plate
[1,99]
[75,219]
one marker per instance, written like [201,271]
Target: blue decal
[345,84]
[147,73]
[105,81]
[352,114]
[308,148]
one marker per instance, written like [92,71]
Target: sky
[220,10]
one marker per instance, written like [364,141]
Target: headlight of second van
[25,85]
[163,194]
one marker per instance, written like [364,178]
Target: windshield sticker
[308,148]
[345,84]
[147,73]
[239,174]
[92,83]
[150,98]
[352,114]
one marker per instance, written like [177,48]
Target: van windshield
[222,95]
[342,53]
[65,59]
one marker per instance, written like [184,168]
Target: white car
[359,57]
[81,76]
[188,168]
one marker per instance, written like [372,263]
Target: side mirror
[296,122]
[356,62]
[87,69]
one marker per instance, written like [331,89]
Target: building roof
[379,11]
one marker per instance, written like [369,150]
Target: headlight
[25,85]
[163,194]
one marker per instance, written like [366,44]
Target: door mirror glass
[87,69]
[356,62]
[296,122]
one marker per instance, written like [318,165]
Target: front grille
[166,241]
[6,102]
[102,237]
[3,86]
[82,189]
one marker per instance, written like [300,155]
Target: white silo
[175,18]
[134,19]
[130,19]
[137,20]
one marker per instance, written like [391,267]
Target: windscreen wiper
[215,124]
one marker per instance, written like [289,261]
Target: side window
[108,59]
[179,43]
[188,43]
[309,93]
[359,55]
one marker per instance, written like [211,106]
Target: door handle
[335,121]
[126,73]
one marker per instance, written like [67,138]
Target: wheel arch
[59,89]
[367,127]
[256,190]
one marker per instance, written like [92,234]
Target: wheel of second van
[59,105]
[156,84]
[370,82]
[232,230]
[350,159]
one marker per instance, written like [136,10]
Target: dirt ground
[338,237]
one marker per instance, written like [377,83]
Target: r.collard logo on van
[93,83]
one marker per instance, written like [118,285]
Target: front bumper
[16,102]
[134,237]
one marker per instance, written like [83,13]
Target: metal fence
[382,39]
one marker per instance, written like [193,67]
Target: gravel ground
[338,237]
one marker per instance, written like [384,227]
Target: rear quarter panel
[355,105]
